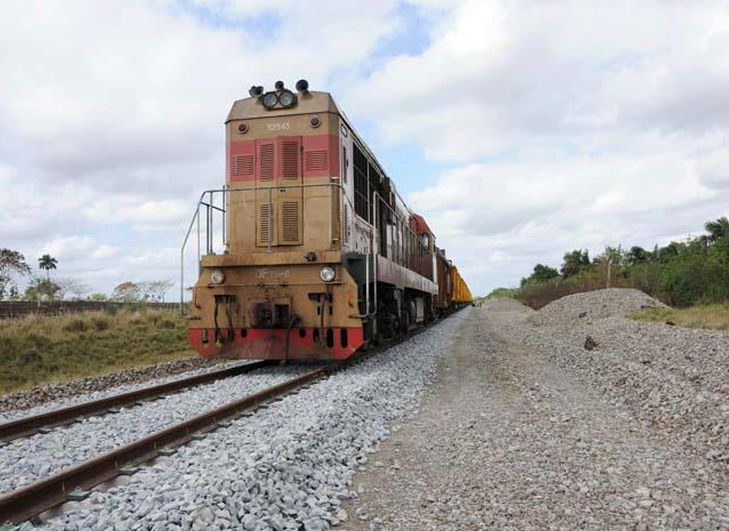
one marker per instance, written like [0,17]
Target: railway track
[32,424]
[74,483]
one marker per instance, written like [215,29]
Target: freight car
[461,294]
[318,253]
[453,292]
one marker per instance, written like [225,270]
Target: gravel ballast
[29,459]
[102,391]
[44,394]
[527,429]
[288,466]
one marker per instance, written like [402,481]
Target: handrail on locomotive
[208,202]
[211,207]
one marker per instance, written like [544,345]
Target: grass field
[714,316]
[45,349]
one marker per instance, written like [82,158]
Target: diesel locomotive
[318,255]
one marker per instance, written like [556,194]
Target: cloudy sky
[521,129]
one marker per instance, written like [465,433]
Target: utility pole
[607,282]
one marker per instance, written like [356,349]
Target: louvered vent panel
[290,223]
[290,160]
[316,160]
[241,165]
[347,217]
[266,158]
[264,224]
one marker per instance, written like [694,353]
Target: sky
[520,129]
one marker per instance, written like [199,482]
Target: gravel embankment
[674,379]
[289,466]
[589,306]
[29,459]
[37,396]
[526,429]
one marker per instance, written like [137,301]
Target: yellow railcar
[461,294]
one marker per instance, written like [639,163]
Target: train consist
[320,254]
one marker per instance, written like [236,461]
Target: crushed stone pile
[675,380]
[507,305]
[593,305]
[526,429]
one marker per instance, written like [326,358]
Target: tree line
[14,268]
[681,273]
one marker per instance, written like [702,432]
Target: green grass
[713,316]
[36,350]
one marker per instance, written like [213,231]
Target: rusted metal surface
[30,501]
[393,273]
[24,426]
[304,343]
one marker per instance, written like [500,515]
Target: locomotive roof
[309,102]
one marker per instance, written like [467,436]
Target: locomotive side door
[279,195]
[290,193]
[266,172]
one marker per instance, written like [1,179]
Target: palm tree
[717,229]
[574,262]
[47,262]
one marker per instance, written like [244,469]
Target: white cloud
[560,124]
[147,215]
[566,124]
[105,251]
[114,118]
[67,246]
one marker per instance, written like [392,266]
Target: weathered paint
[396,275]
[320,157]
[288,214]
[270,343]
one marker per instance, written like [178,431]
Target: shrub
[647,277]
[76,325]
[139,321]
[99,323]
[692,278]
[166,323]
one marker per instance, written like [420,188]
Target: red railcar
[445,289]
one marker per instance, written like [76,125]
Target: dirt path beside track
[506,439]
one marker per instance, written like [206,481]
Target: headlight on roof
[287,99]
[270,100]
[327,273]
[217,276]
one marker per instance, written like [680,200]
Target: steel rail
[28,425]
[30,501]
[36,498]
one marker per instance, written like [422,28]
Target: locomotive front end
[284,311]
[277,289]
